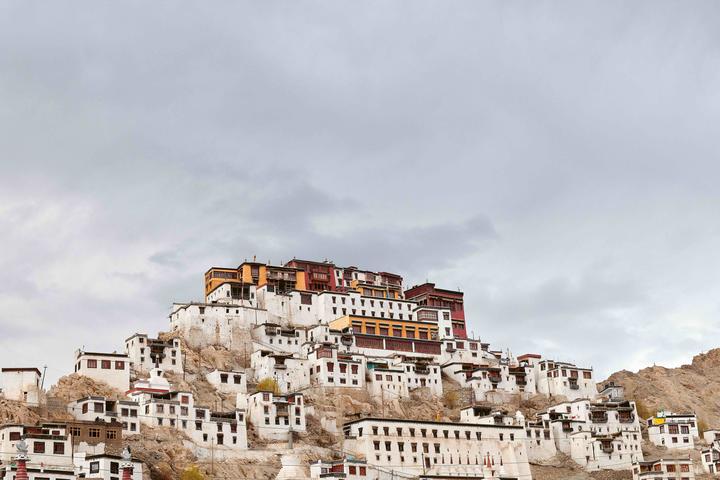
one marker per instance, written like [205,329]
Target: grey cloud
[557,162]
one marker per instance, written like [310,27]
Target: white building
[711,458]
[330,368]
[203,324]
[420,373]
[560,378]
[613,392]
[289,371]
[222,434]
[49,444]
[664,469]
[228,381]
[105,466]
[673,430]
[21,384]
[108,410]
[111,368]
[271,336]
[439,449]
[147,353]
[596,435]
[495,383]
[274,416]
[387,382]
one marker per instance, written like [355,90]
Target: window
[92,364]
[94,467]
[59,448]
[237,379]
[14,436]
[119,365]
[94,432]
[38,447]
[74,431]
[114,467]
[111,434]
[223,378]
[105,364]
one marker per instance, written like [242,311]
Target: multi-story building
[613,392]
[237,282]
[109,410]
[222,434]
[710,458]
[326,276]
[274,416]
[439,449]
[429,295]
[147,353]
[332,368]
[48,444]
[495,382]
[560,378]
[420,372]
[288,339]
[95,436]
[664,469]
[203,324]
[289,371]
[111,368]
[596,435]
[673,430]
[21,385]
[370,334]
[386,382]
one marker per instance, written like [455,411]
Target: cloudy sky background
[558,161]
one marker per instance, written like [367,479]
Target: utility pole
[290,437]
[42,381]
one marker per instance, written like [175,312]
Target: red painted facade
[429,295]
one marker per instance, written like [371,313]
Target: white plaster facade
[111,368]
[596,435]
[290,372]
[105,466]
[664,469]
[108,410]
[203,324]
[331,368]
[439,448]
[228,381]
[146,353]
[274,416]
[21,384]
[222,433]
[673,430]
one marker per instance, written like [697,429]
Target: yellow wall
[400,326]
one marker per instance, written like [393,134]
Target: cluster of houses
[314,325]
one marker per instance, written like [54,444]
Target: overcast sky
[557,161]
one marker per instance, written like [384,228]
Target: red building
[428,295]
[319,276]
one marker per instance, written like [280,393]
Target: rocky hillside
[689,388]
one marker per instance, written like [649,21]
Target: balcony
[495,378]
[607,448]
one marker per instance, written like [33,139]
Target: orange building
[387,327]
[277,278]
